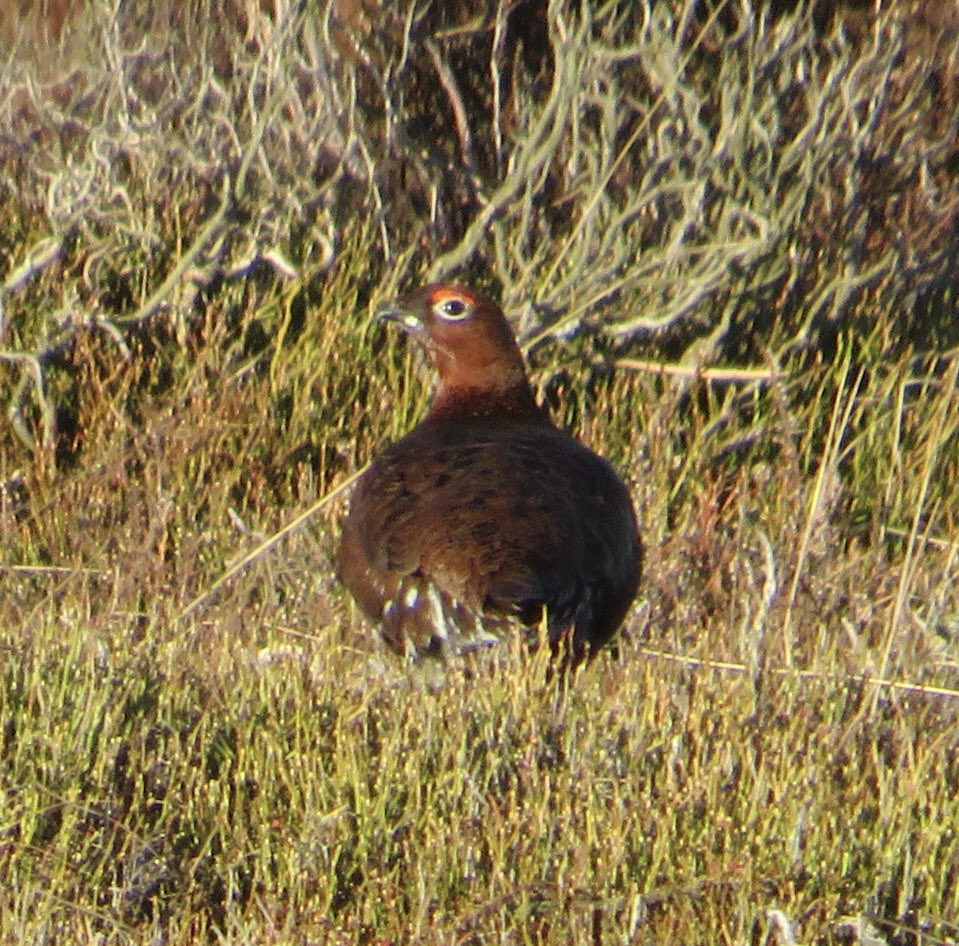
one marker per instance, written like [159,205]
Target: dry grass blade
[713,373]
[947,413]
[879,683]
[842,408]
[267,544]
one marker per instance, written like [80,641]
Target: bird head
[467,339]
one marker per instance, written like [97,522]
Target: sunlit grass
[199,738]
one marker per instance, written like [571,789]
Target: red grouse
[486,515]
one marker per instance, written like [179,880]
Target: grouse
[486,517]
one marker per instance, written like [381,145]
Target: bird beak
[405,318]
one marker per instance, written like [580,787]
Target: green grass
[191,750]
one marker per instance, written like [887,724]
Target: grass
[192,750]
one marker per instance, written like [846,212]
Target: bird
[486,519]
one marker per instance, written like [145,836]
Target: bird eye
[452,309]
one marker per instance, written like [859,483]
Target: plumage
[486,513]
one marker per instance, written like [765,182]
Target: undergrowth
[727,239]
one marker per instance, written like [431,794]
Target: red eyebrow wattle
[441,295]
